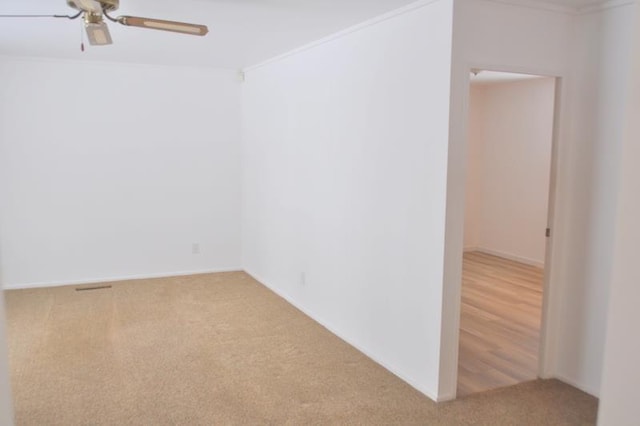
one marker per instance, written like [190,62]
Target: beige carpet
[222,349]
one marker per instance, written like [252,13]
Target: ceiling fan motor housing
[107,5]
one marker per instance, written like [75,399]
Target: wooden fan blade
[159,24]
[43,16]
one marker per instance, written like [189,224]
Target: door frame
[6,408]
[454,228]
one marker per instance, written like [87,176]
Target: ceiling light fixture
[98,34]
[86,5]
[95,12]
[97,30]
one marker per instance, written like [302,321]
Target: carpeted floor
[222,349]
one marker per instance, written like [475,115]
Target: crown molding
[355,28]
[608,4]
[537,5]
[553,7]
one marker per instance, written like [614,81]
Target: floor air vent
[99,287]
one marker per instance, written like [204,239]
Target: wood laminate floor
[500,323]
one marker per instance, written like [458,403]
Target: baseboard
[323,323]
[446,397]
[577,384]
[117,278]
[514,257]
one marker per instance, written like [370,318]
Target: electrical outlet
[195,248]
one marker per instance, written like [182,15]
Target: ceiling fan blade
[159,24]
[98,33]
[86,5]
[43,16]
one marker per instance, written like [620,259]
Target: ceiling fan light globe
[98,34]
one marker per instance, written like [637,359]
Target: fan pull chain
[81,38]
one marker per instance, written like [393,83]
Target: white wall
[589,193]
[110,171]
[509,163]
[499,37]
[621,374]
[345,148]
[588,51]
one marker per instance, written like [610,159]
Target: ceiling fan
[93,13]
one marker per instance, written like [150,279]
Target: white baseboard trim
[117,278]
[447,397]
[577,384]
[509,256]
[323,323]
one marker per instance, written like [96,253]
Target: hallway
[499,324]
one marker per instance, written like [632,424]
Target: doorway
[509,162]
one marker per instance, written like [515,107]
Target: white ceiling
[242,32]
